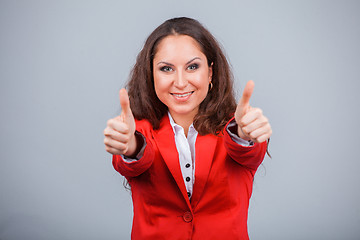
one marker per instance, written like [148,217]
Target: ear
[211,71]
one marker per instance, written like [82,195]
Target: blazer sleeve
[248,156]
[137,167]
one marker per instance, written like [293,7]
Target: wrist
[135,144]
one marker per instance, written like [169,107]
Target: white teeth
[182,95]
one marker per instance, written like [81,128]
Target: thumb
[244,105]
[245,98]
[124,103]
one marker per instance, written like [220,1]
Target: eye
[193,66]
[166,69]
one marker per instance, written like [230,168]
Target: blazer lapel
[204,154]
[165,140]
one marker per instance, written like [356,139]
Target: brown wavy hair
[218,106]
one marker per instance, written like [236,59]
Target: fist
[120,131]
[252,124]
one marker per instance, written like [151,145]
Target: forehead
[176,46]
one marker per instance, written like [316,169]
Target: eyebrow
[162,62]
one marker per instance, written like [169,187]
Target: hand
[252,124]
[120,131]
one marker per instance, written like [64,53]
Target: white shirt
[186,150]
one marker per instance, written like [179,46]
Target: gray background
[63,62]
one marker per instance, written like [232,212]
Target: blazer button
[187,217]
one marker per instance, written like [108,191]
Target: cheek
[161,88]
[159,84]
[203,81]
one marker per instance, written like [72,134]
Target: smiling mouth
[182,95]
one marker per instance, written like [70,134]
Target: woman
[188,151]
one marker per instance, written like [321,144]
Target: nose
[180,81]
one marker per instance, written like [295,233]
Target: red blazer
[218,208]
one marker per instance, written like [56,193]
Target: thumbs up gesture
[252,124]
[120,131]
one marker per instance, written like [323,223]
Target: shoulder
[145,126]
[143,123]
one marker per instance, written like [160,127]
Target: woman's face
[181,75]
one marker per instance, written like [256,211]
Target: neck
[183,121]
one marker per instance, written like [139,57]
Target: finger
[111,143]
[263,138]
[257,123]
[112,150]
[248,90]
[116,125]
[246,135]
[115,135]
[124,102]
[252,115]
[259,132]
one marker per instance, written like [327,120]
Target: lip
[182,97]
